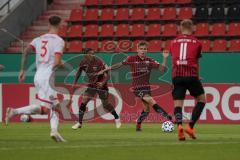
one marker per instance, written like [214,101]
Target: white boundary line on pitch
[60,146]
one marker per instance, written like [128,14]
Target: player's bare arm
[163,67]
[25,53]
[115,66]
[78,74]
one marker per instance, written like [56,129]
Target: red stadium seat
[183,1]
[107,30]
[167,44]
[202,29]
[107,14]
[136,2]
[218,29]
[168,1]
[63,31]
[219,45]
[134,45]
[91,14]
[154,14]
[122,14]
[106,2]
[152,1]
[138,30]
[154,30]
[155,46]
[92,44]
[185,13]
[234,45]
[169,14]
[122,30]
[75,46]
[206,45]
[108,46]
[138,14]
[91,30]
[121,2]
[91,2]
[76,15]
[75,31]
[234,29]
[169,30]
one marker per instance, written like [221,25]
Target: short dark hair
[142,44]
[87,50]
[54,20]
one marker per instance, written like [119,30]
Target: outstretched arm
[162,67]
[77,76]
[115,66]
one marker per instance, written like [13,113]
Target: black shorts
[142,91]
[182,84]
[103,92]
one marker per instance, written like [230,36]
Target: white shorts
[45,93]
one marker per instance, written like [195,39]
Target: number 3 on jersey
[44,51]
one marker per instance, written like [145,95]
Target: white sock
[31,109]
[54,121]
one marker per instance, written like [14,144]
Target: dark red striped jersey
[140,69]
[185,51]
[91,68]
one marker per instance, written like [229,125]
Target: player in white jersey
[49,49]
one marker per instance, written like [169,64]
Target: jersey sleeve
[153,63]
[127,61]
[33,44]
[59,47]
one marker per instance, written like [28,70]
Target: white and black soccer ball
[24,118]
[167,126]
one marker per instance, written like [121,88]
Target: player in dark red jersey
[97,84]
[186,50]
[141,67]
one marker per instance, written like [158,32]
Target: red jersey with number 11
[185,51]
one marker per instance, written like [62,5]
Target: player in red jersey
[186,50]
[97,84]
[141,67]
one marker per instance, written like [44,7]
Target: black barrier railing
[6,4]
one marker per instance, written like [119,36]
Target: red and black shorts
[142,91]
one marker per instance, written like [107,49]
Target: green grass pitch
[105,142]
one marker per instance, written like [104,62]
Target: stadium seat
[233,12]
[136,2]
[75,31]
[201,13]
[155,46]
[138,30]
[234,29]
[91,14]
[202,29]
[76,15]
[154,30]
[91,30]
[219,45]
[106,2]
[234,45]
[169,30]
[217,13]
[107,30]
[92,44]
[107,14]
[122,14]
[152,1]
[91,2]
[167,44]
[75,46]
[108,46]
[124,46]
[218,29]
[185,13]
[154,14]
[63,31]
[122,30]
[184,1]
[206,45]
[121,2]
[169,14]
[138,14]
[168,1]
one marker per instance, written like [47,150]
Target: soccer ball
[24,118]
[167,126]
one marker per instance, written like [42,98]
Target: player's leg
[88,95]
[178,94]
[143,116]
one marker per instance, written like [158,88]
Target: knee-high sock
[31,109]
[142,117]
[109,107]
[178,115]
[82,110]
[196,113]
[54,121]
[162,112]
